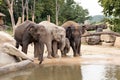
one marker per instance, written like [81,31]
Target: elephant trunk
[62,44]
[77,46]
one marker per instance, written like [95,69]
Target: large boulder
[108,40]
[6,38]
[10,56]
[117,42]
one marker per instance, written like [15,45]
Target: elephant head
[58,33]
[37,31]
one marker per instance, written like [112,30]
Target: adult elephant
[29,32]
[73,33]
[54,35]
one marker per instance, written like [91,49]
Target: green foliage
[68,10]
[0,1]
[112,10]
[72,11]
[111,7]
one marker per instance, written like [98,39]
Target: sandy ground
[95,54]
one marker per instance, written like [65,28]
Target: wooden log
[94,27]
[101,33]
[16,66]
[11,50]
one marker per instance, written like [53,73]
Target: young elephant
[54,35]
[27,33]
[59,45]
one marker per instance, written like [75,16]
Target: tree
[10,9]
[112,11]
[33,12]
[72,11]
[111,7]
[0,1]
[59,12]
[23,10]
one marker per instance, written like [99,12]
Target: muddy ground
[91,54]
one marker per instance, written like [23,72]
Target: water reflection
[67,72]
[56,73]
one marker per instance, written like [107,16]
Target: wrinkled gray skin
[27,33]
[93,40]
[74,32]
[54,35]
[66,48]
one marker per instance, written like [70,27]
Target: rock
[6,59]
[117,42]
[8,53]
[107,44]
[16,66]
[11,50]
[6,38]
[108,40]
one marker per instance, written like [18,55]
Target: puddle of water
[67,72]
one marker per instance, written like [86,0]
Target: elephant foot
[63,55]
[76,55]
[49,57]
[56,56]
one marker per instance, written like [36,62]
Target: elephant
[73,33]
[59,45]
[54,35]
[29,32]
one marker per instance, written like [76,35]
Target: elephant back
[23,26]
[71,24]
[48,25]
[20,29]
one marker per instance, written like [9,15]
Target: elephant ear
[83,29]
[31,28]
[68,32]
[54,32]
[41,30]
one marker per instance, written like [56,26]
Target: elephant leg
[17,44]
[55,49]
[49,49]
[25,46]
[36,49]
[74,49]
[63,54]
[79,48]
[62,48]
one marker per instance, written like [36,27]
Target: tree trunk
[23,11]
[48,18]
[33,13]
[27,10]
[10,9]
[56,12]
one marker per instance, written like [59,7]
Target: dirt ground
[90,54]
